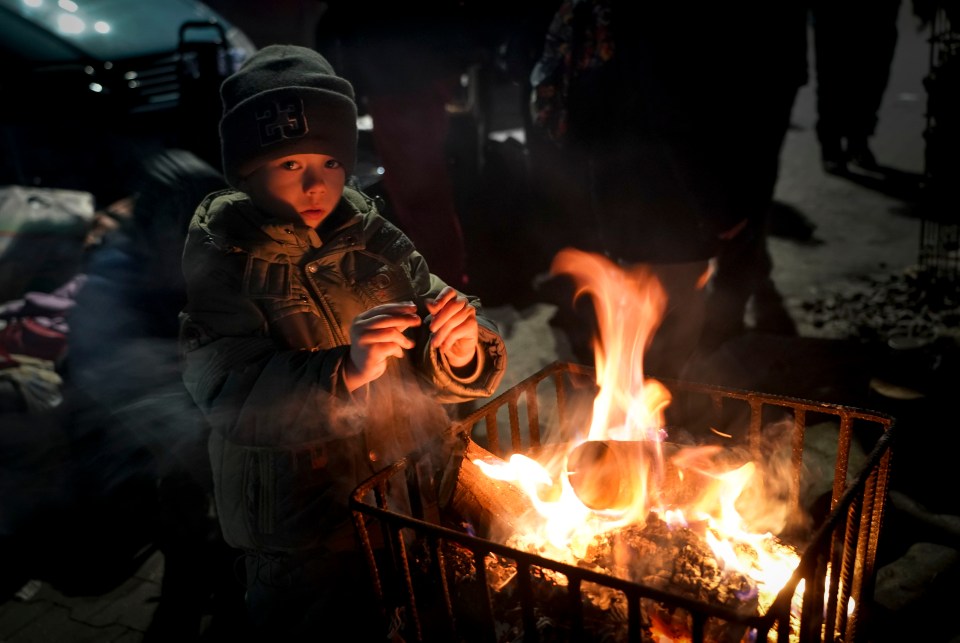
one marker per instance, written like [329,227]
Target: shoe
[770,313]
[859,154]
[832,158]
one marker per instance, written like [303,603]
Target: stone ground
[833,237]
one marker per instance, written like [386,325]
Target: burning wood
[673,559]
[620,474]
[488,505]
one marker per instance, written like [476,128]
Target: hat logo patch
[278,120]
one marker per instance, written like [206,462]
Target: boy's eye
[332,164]
[290,165]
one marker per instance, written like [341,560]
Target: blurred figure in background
[769,71]
[406,61]
[125,374]
[854,42]
[659,118]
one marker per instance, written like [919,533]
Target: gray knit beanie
[285,100]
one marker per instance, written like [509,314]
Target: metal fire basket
[837,562]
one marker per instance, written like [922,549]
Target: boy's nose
[312,181]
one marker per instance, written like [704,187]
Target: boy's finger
[398,308]
[441,300]
[455,321]
[403,320]
[451,314]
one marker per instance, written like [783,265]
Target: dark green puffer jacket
[263,340]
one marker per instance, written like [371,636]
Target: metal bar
[865,607]
[754,433]
[862,566]
[799,433]
[514,421]
[436,549]
[783,629]
[716,403]
[841,575]
[493,433]
[843,459]
[486,605]
[408,583]
[561,390]
[811,610]
[533,416]
[576,607]
[359,523]
[530,634]
[699,622]
[634,618]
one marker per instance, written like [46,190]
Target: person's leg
[832,41]
[678,335]
[731,286]
[873,57]
[303,598]
[743,265]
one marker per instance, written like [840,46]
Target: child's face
[300,186]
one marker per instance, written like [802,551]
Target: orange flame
[629,307]
[616,476]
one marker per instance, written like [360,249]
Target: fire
[629,306]
[625,468]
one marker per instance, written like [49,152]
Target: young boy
[315,340]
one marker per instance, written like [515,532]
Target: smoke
[398,414]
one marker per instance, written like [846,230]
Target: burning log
[488,505]
[619,474]
[673,559]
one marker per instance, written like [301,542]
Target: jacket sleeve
[491,363]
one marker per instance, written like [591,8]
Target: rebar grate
[412,571]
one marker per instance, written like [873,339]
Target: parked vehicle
[87,83]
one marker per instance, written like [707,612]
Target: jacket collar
[230,214]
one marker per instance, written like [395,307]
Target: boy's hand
[375,336]
[454,327]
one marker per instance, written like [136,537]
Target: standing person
[632,95]
[406,60]
[854,43]
[316,342]
[765,87]
[677,116]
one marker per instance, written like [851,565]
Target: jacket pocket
[289,499]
